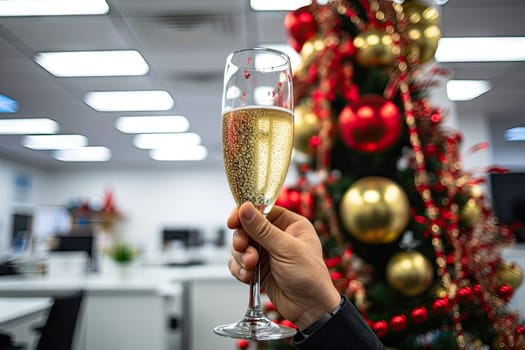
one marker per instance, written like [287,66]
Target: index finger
[233,221]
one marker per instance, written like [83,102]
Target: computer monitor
[508,200]
[73,243]
[21,232]
[190,237]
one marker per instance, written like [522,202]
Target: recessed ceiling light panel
[166,141]
[481,49]
[53,7]
[7,104]
[28,126]
[84,154]
[466,90]
[53,142]
[152,124]
[93,63]
[196,152]
[278,5]
[115,101]
[515,134]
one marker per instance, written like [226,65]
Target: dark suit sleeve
[346,330]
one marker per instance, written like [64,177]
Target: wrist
[303,334]
[329,304]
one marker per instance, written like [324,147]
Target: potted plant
[122,255]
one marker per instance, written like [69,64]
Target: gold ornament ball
[375,210]
[509,273]
[306,125]
[422,30]
[471,212]
[310,50]
[410,273]
[374,48]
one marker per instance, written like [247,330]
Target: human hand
[293,273]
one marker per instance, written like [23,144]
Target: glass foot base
[255,329]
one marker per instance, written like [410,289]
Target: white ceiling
[185,43]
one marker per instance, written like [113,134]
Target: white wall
[15,198]
[150,199]
[475,129]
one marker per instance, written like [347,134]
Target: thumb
[259,228]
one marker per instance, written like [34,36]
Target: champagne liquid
[257,146]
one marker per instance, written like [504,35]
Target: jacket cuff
[344,329]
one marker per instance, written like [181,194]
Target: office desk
[135,312]
[18,317]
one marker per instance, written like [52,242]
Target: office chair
[59,330]
[7,343]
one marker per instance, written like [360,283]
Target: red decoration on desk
[108,204]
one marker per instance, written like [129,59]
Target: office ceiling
[185,43]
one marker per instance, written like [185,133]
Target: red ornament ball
[419,314]
[243,344]
[289,198]
[296,201]
[380,328]
[398,322]
[520,329]
[301,25]
[440,306]
[372,124]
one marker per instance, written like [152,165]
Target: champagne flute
[257,141]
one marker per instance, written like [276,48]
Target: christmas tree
[407,234]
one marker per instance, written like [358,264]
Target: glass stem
[254,304]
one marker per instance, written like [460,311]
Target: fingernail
[242,273]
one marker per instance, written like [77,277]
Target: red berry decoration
[398,322]
[288,323]
[243,344]
[505,292]
[465,295]
[380,328]
[477,290]
[270,306]
[440,306]
[336,275]
[373,124]
[419,314]
[301,25]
